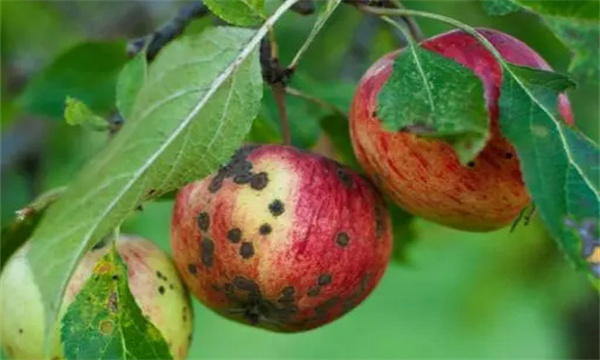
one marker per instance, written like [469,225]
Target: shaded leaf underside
[189,117]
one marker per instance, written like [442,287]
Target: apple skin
[424,176]
[153,282]
[281,239]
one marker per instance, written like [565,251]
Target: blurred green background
[458,295]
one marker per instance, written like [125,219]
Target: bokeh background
[456,294]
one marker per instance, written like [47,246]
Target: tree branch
[154,42]
[410,22]
[304,7]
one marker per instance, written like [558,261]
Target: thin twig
[319,102]
[410,22]
[445,19]
[154,42]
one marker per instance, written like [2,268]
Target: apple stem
[279,94]
[277,77]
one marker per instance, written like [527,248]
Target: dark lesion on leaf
[113,302]
[106,327]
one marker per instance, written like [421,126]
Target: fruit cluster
[288,240]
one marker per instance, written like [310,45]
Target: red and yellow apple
[424,175]
[281,238]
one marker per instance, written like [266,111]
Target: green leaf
[87,71]
[431,95]
[129,83]
[238,12]
[336,128]
[105,322]
[581,9]
[575,23]
[582,38]
[77,113]
[559,165]
[499,7]
[326,10]
[191,114]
